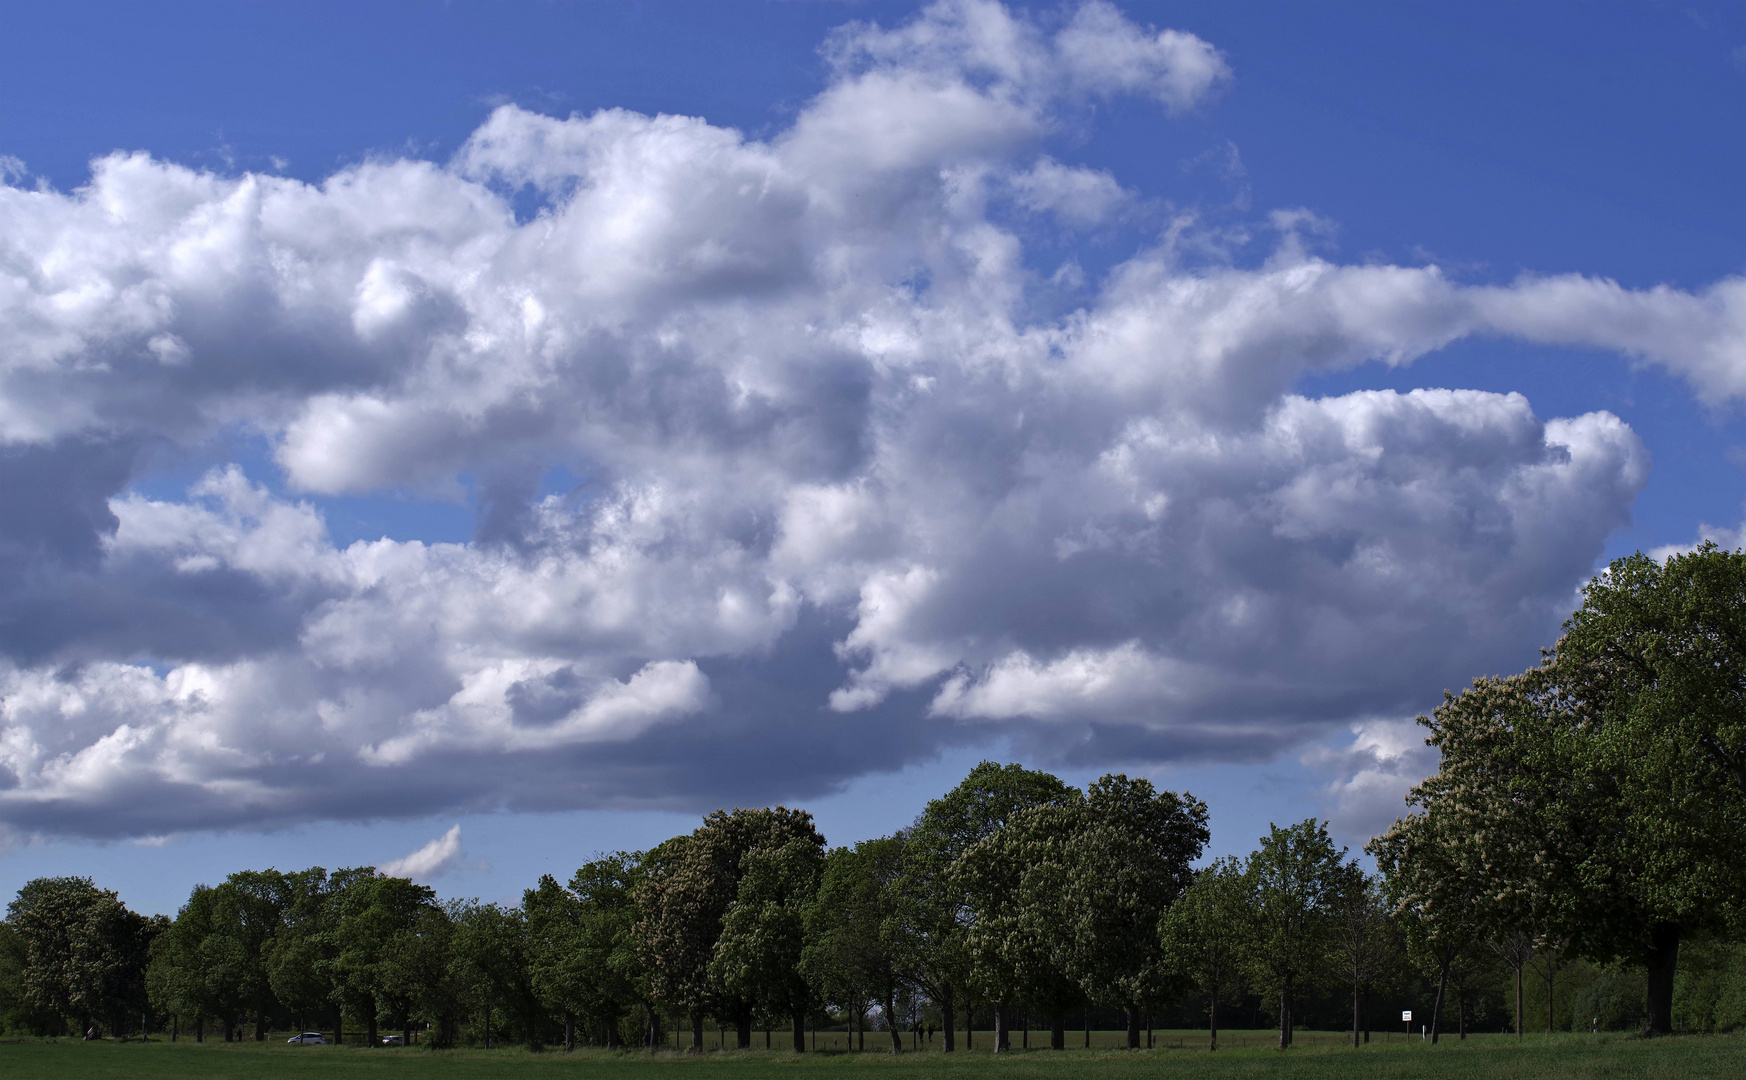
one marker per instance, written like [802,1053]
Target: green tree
[1504,820]
[368,921]
[758,957]
[937,915]
[853,930]
[1125,864]
[413,974]
[1207,937]
[682,899]
[1655,664]
[1438,903]
[606,889]
[1294,880]
[558,964]
[84,951]
[1020,940]
[300,958]
[1367,943]
[490,965]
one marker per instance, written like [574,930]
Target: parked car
[393,1040]
[312,1038]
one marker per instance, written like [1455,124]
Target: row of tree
[1592,807]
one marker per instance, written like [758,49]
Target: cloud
[848,478]
[440,856]
[1371,776]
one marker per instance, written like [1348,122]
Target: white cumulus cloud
[440,856]
[843,479]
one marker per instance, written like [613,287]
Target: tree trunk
[1088,1027]
[1437,1003]
[569,1031]
[697,1033]
[1002,1043]
[406,1032]
[1212,1016]
[1662,961]
[1461,1013]
[969,1024]
[1518,1001]
[744,1034]
[200,1029]
[260,1025]
[339,1027]
[890,1005]
[487,1025]
[946,1028]
[1285,1014]
[1058,1032]
[175,1027]
[1354,1015]
[1133,1027]
[614,1040]
[799,1031]
[374,1040]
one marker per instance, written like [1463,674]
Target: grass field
[1320,1056]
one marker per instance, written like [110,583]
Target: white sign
[1406,1016]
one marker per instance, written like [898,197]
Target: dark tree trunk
[569,1031]
[260,1025]
[1461,1014]
[969,1024]
[697,1033]
[339,1026]
[947,1031]
[1058,1032]
[1518,1001]
[799,1031]
[1088,1027]
[1285,1014]
[1354,1015]
[406,1032]
[1133,1027]
[744,1033]
[1212,1021]
[374,1040]
[1002,1040]
[200,1029]
[890,1004]
[1437,1003]
[614,1040]
[175,1027]
[1661,961]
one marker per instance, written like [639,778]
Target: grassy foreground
[1503,1057]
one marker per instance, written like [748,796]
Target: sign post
[1406,1017]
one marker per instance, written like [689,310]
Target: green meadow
[1318,1056]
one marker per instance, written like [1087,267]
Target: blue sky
[1049,397]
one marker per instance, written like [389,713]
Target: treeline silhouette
[1584,831]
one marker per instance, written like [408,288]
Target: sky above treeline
[469,437]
